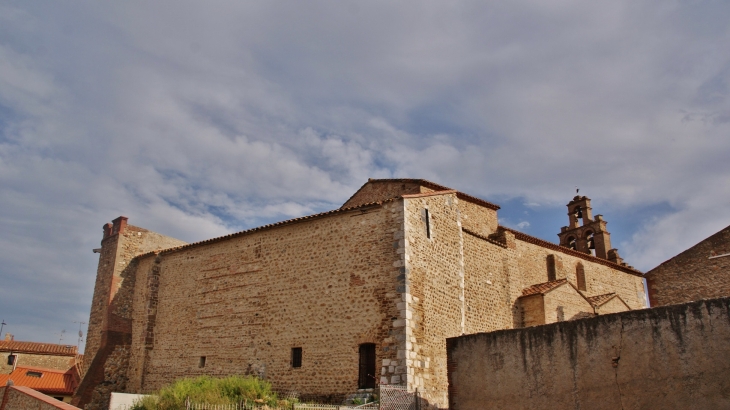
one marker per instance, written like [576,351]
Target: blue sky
[200,119]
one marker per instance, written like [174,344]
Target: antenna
[1,327]
[61,335]
[81,335]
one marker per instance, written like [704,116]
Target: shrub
[205,389]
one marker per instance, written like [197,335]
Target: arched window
[366,377]
[590,242]
[572,243]
[580,275]
[551,271]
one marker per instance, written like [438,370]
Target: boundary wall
[673,357]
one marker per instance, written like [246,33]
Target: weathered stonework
[403,265]
[24,398]
[672,357]
[36,360]
[700,272]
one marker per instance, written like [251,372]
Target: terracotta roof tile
[37,348]
[600,299]
[51,381]
[543,288]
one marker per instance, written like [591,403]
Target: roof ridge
[267,226]
[544,287]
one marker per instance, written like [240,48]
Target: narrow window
[366,378]
[551,268]
[580,275]
[296,357]
[11,359]
[561,314]
[201,363]
[428,224]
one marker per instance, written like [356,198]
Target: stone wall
[120,245]
[700,272]
[326,284]
[565,303]
[110,319]
[38,360]
[376,191]
[435,285]
[24,398]
[614,305]
[403,274]
[115,378]
[672,357]
[601,276]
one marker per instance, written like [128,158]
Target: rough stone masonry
[331,303]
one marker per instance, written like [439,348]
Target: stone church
[343,300]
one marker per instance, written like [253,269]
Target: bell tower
[587,234]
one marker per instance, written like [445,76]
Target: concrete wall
[693,274]
[673,357]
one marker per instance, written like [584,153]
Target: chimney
[9,337]
[118,225]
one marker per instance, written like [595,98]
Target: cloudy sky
[197,119]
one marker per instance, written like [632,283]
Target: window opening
[296,357]
[578,212]
[572,243]
[428,225]
[591,243]
[201,363]
[34,374]
[580,275]
[366,378]
[11,359]
[551,268]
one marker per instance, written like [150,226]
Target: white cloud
[196,120]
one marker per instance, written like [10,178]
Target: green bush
[205,389]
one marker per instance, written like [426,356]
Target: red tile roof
[601,299]
[51,382]
[37,348]
[543,288]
